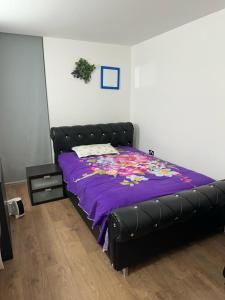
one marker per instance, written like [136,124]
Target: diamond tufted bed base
[138,232]
[148,228]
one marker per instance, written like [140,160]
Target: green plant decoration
[83,70]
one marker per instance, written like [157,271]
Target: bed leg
[125,272]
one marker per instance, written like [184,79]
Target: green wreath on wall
[83,70]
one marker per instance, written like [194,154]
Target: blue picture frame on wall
[110,78]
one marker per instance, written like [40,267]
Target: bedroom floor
[56,257]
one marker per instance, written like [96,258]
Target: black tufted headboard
[66,137]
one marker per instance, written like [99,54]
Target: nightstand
[45,183]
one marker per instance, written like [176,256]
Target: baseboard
[15,182]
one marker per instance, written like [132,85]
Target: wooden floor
[56,257]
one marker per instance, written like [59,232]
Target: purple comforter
[103,183]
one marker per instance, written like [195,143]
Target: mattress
[106,182]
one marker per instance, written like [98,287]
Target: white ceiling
[125,22]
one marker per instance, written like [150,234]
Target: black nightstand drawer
[47,195]
[46,181]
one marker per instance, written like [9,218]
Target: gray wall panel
[24,124]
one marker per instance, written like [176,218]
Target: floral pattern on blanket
[133,167]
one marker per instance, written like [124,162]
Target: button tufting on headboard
[66,137]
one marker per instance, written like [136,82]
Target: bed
[136,205]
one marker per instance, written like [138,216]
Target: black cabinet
[5,240]
[45,183]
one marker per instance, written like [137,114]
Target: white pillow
[95,149]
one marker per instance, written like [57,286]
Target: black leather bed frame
[148,228]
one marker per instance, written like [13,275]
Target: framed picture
[110,78]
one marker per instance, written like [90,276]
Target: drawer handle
[47,176]
[48,190]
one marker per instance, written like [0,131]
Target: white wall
[178,95]
[177,91]
[70,100]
